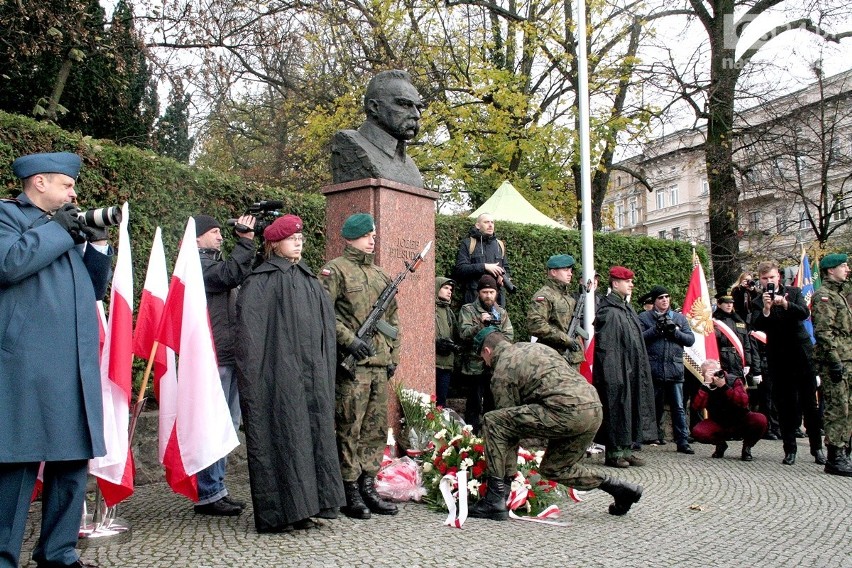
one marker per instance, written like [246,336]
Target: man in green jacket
[446,334]
[552,309]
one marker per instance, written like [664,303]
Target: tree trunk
[59,87]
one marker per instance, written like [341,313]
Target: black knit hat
[204,223]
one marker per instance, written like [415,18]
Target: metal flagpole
[586,235]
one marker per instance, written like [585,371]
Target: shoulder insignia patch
[823,299]
[540,298]
[325,272]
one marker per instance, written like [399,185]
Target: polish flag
[586,366]
[200,430]
[115,470]
[696,308]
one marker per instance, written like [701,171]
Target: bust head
[392,103]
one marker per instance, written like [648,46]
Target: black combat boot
[838,463]
[624,493]
[819,456]
[493,506]
[355,507]
[372,499]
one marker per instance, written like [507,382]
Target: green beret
[832,260]
[480,337]
[357,226]
[560,261]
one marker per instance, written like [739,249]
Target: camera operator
[726,401]
[50,380]
[789,352]
[473,317]
[744,292]
[666,333]
[221,279]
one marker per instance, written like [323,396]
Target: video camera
[264,211]
[666,325]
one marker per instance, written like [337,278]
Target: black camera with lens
[666,325]
[720,374]
[101,217]
[508,284]
[265,213]
[753,283]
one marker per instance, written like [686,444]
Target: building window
[804,225]
[673,197]
[707,232]
[779,219]
[753,220]
[617,181]
[676,233]
[619,216]
[661,234]
[661,199]
[705,187]
[633,212]
[840,213]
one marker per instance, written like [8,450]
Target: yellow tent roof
[507,204]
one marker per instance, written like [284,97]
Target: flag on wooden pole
[696,308]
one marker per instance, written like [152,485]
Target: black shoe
[746,455]
[720,450]
[616,462]
[355,507]
[493,505]
[687,449]
[800,434]
[219,508]
[789,458]
[375,503]
[625,494]
[330,513]
[770,436]
[636,447]
[305,524]
[235,502]
[78,564]
[819,456]
[634,461]
[838,463]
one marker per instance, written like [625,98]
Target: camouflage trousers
[361,420]
[568,430]
[838,400]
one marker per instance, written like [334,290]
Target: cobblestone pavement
[696,511]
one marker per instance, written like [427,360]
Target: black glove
[444,346]
[359,349]
[391,370]
[835,372]
[94,234]
[67,218]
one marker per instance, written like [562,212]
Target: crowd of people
[315,430]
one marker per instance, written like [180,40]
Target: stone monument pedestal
[405,222]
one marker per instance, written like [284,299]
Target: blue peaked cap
[52,163]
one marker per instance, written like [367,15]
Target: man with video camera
[666,333]
[222,277]
[51,403]
[789,355]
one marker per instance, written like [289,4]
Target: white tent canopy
[507,204]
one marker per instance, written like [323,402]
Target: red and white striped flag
[586,365]
[115,470]
[696,308]
[202,431]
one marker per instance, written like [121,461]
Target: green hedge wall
[164,192]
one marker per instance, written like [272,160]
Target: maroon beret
[487,281]
[282,228]
[620,273]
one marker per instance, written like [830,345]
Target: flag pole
[586,233]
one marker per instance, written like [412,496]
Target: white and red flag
[201,429]
[696,308]
[586,365]
[114,471]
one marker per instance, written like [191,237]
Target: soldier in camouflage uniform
[552,309]
[354,284]
[538,394]
[473,317]
[832,321]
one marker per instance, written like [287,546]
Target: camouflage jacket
[550,314]
[470,322]
[446,326]
[354,284]
[832,321]
[531,373]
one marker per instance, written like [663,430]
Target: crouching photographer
[726,401]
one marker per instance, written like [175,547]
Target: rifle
[574,328]
[374,321]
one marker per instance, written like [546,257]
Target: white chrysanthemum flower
[466,463]
[441,434]
[456,439]
[473,487]
[448,452]
[427,467]
[465,449]
[467,428]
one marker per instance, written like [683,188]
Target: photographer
[482,253]
[221,279]
[473,317]
[666,333]
[726,401]
[744,293]
[446,334]
[781,311]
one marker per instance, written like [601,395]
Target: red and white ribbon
[457,515]
[543,518]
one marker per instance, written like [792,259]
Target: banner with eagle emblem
[696,308]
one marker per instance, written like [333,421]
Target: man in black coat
[782,309]
[480,253]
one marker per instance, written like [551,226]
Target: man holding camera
[726,401]
[222,277]
[666,333]
[552,310]
[789,352]
[473,317]
[482,253]
[446,334]
[51,403]
[833,355]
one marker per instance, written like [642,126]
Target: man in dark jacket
[479,254]
[446,336]
[737,349]
[51,404]
[621,373]
[666,333]
[789,352]
[221,279]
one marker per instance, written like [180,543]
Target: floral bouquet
[421,418]
[454,449]
[530,493]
